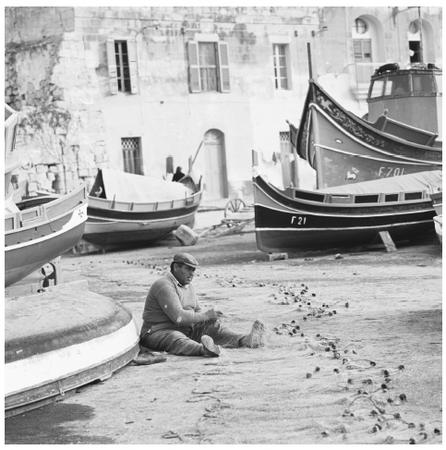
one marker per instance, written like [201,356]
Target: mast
[310,69]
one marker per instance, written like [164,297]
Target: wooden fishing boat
[295,219]
[345,149]
[39,230]
[53,346]
[127,209]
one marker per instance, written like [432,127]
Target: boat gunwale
[54,233]
[107,204]
[41,209]
[367,125]
[283,195]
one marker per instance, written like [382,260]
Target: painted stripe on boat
[78,216]
[344,228]
[406,161]
[311,213]
[93,220]
[375,149]
[48,367]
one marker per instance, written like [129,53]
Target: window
[414,27]
[131,152]
[415,52]
[439,87]
[400,85]
[377,89]
[360,26]
[280,66]
[122,69]
[423,84]
[208,66]
[362,49]
[122,66]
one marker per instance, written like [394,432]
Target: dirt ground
[353,352]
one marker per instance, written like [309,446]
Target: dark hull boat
[41,229]
[344,148]
[126,215]
[294,219]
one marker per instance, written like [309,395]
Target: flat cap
[185,258]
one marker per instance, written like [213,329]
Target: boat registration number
[385,171]
[298,220]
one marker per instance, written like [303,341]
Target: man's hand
[211,314]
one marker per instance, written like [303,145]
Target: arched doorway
[215,173]
[420,40]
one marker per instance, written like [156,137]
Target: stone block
[186,235]
[277,256]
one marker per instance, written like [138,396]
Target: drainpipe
[62,159]
[421,34]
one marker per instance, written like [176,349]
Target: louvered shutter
[133,68]
[194,68]
[111,62]
[223,65]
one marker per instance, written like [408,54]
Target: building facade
[148,89]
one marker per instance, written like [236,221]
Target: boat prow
[40,229]
[345,149]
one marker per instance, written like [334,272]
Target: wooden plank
[387,241]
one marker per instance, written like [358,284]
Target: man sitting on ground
[173,320]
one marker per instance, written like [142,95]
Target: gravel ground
[353,352]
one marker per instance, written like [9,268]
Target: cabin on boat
[412,96]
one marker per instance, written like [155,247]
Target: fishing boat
[61,339]
[39,230]
[128,209]
[345,149]
[295,219]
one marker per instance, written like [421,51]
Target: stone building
[147,89]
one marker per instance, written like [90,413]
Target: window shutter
[111,62]
[194,68]
[133,68]
[223,66]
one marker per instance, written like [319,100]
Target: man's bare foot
[256,337]
[210,348]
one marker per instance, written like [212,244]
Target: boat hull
[286,224]
[345,149]
[64,348]
[115,232]
[44,236]
[132,210]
